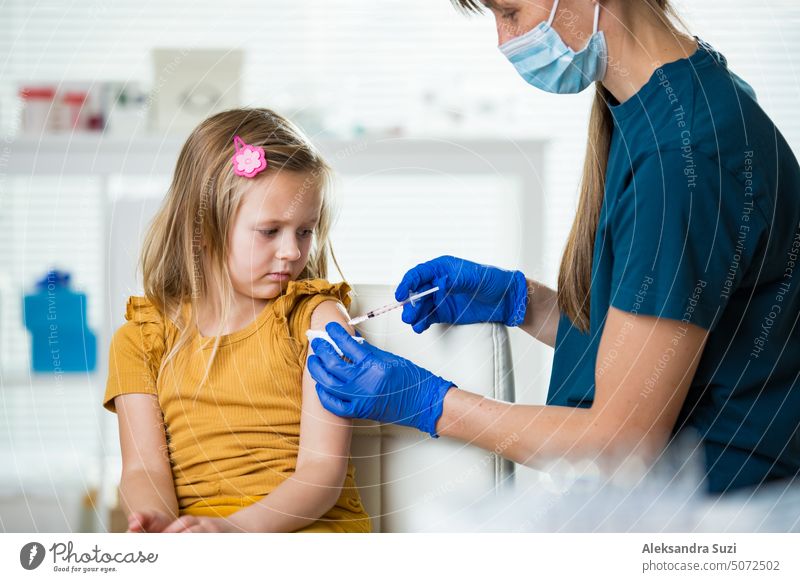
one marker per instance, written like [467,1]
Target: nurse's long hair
[575,274]
[186,247]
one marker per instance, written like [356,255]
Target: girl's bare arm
[146,484]
[321,464]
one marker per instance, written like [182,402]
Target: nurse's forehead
[500,5]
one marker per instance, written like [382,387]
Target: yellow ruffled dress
[236,439]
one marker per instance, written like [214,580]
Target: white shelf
[93,154]
[47,379]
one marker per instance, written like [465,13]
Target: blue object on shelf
[56,317]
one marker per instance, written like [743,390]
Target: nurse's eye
[268,232]
[306,232]
[509,14]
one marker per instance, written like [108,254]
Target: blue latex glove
[375,384]
[468,293]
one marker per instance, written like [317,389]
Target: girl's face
[272,233]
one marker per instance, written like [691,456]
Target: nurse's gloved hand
[375,384]
[468,293]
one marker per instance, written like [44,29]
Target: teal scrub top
[701,223]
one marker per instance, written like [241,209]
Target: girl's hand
[148,522]
[197,524]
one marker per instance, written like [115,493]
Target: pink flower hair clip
[248,160]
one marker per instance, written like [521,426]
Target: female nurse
[679,290]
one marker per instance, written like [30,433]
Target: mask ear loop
[604,59]
[596,16]
[552,13]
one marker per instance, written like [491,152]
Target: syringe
[385,308]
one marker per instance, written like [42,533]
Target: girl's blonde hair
[575,274]
[185,250]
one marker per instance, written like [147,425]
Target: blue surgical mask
[543,59]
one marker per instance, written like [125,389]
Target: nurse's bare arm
[321,463]
[146,485]
[644,369]
[541,316]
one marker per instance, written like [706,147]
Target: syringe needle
[390,307]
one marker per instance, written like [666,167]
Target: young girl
[221,429]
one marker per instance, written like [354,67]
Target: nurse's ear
[574,21]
